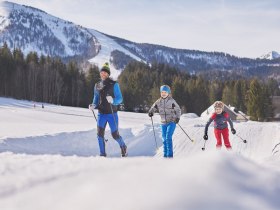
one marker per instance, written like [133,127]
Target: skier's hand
[151,114]
[205,136]
[90,106]
[110,99]
[177,120]
[233,131]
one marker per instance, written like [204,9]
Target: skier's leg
[218,138]
[164,141]
[113,121]
[101,124]
[169,133]
[225,134]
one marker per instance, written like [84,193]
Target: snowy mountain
[31,29]
[50,161]
[271,55]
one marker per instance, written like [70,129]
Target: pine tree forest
[49,80]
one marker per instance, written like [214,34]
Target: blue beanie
[165,88]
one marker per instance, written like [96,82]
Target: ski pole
[96,122]
[94,115]
[154,132]
[203,148]
[244,141]
[114,118]
[186,133]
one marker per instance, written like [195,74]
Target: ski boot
[124,151]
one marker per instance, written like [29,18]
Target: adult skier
[107,96]
[170,113]
[220,118]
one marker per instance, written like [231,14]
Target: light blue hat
[165,88]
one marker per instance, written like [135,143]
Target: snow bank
[205,181]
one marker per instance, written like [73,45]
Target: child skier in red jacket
[220,118]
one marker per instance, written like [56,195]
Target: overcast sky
[245,28]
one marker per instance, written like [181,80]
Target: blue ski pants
[167,133]
[113,121]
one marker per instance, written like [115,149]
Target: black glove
[151,114]
[177,120]
[205,136]
[233,131]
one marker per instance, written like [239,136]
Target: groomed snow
[49,160]
[108,45]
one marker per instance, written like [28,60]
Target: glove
[205,136]
[90,106]
[233,131]
[110,99]
[177,120]
[151,114]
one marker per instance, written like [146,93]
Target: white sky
[245,28]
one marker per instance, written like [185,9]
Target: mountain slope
[108,47]
[31,29]
[194,60]
[271,55]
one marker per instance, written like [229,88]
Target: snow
[271,55]
[49,160]
[54,24]
[107,46]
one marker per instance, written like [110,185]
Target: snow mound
[189,115]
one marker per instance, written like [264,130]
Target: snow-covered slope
[108,45]
[48,161]
[31,29]
[271,55]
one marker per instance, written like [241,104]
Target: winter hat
[106,68]
[165,88]
[219,104]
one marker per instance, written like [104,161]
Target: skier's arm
[177,109]
[95,101]
[230,122]
[118,95]
[154,107]
[207,125]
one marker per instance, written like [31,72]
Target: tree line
[46,79]
[140,85]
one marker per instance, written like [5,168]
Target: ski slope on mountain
[104,55]
[49,160]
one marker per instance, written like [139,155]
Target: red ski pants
[219,134]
